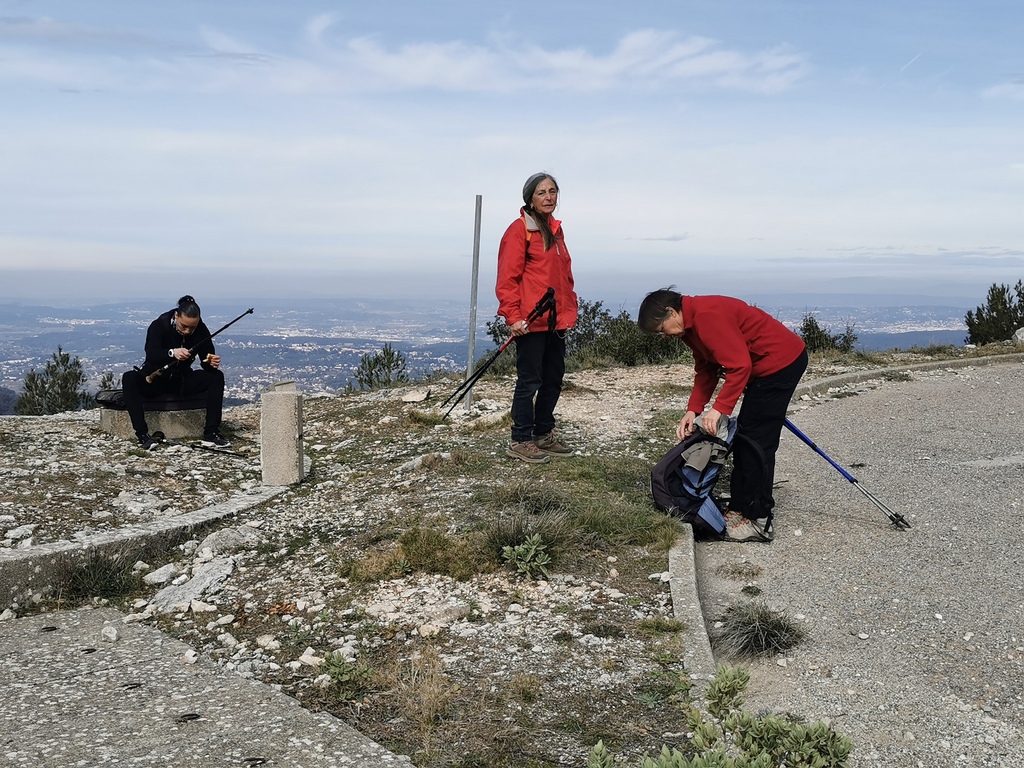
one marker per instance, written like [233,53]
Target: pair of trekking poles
[546,306]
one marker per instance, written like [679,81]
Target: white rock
[109,633]
[227,640]
[21,532]
[162,574]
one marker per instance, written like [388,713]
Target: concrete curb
[698,657]
[39,569]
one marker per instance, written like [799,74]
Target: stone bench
[166,413]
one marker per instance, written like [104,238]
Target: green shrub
[529,558]
[819,339]
[597,339]
[728,737]
[386,368]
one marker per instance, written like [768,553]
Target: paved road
[915,640]
[81,688]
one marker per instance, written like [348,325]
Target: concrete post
[281,434]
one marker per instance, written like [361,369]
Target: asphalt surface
[914,639]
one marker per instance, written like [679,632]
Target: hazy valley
[319,343]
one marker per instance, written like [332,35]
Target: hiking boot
[549,445]
[147,443]
[527,451]
[213,440]
[742,529]
[766,527]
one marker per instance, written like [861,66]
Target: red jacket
[522,281]
[730,337]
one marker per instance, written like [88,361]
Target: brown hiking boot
[527,451]
[549,445]
[742,529]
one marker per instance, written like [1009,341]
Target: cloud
[665,239]
[647,58]
[69,55]
[1013,90]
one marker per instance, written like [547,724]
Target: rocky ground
[317,596]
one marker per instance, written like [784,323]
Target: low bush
[726,736]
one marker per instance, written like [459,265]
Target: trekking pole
[546,304]
[896,519]
[191,351]
[160,437]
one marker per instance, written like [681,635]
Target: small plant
[660,625]
[529,558]
[728,737]
[101,576]
[751,629]
[425,692]
[525,687]
[350,679]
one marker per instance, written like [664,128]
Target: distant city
[319,343]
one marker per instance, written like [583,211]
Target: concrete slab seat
[177,418]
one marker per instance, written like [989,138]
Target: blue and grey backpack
[683,480]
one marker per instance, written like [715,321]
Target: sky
[744,147]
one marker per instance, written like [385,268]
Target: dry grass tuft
[751,630]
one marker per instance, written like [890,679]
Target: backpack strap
[528,234]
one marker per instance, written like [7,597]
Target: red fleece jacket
[731,338]
[522,281]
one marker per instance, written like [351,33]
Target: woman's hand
[520,329]
[685,428]
[710,421]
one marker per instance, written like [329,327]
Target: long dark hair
[542,220]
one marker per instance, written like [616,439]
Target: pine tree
[1001,316]
[57,389]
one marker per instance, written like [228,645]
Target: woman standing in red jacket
[760,359]
[532,258]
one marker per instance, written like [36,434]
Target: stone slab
[175,425]
[84,688]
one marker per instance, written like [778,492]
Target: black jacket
[162,337]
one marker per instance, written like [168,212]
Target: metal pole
[472,298]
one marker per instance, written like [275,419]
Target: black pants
[186,386]
[540,365]
[761,418]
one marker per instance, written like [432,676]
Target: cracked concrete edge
[40,569]
[698,658]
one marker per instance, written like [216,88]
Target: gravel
[914,642]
